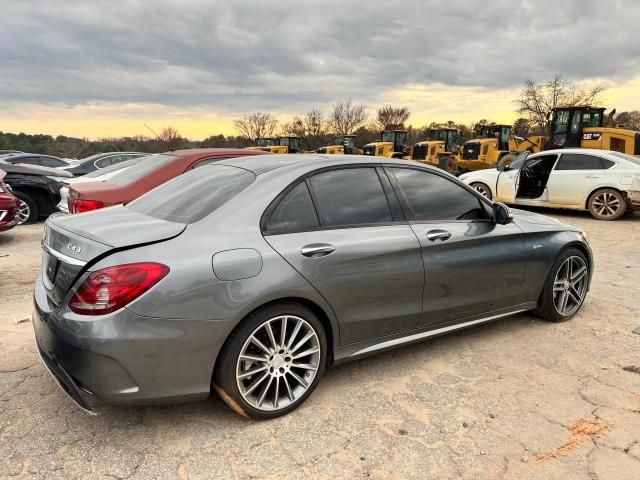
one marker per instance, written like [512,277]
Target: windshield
[193,195]
[561,121]
[394,137]
[518,161]
[438,135]
[113,168]
[145,166]
[265,142]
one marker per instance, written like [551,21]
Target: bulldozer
[342,144]
[278,145]
[439,149]
[392,144]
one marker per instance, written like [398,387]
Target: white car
[604,182]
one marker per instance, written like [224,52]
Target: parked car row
[39,181]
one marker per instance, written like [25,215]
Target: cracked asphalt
[516,399]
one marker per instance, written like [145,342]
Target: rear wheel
[565,288]
[27,208]
[482,189]
[607,204]
[272,362]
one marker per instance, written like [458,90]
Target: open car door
[509,179]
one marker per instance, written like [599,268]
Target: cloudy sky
[102,68]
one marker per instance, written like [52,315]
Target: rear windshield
[193,195]
[112,168]
[626,157]
[147,165]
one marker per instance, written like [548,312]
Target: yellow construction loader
[439,149]
[342,144]
[392,144]
[584,127]
[278,145]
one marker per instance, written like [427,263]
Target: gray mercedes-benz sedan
[252,275]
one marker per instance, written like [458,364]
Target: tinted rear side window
[576,161]
[193,195]
[432,197]
[352,196]
[147,165]
[294,213]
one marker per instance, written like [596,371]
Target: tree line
[317,128]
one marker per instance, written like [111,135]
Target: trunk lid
[73,242]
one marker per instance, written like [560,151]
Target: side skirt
[358,350]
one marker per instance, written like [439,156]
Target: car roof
[585,151]
[271,162]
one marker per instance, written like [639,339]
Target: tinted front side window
[432,197]
[146,166]
[294,213]
[193,195]
[576,161]
[352,196]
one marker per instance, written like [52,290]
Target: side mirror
[502,214]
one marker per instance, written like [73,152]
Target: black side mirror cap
[502,214]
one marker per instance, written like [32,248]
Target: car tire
[257,374]
[483,189]
[28,207]
[565,288]
[607,204]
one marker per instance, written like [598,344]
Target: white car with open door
[605,182]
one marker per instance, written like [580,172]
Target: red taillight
[112,288]
[78,205]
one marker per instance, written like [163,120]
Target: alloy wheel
[482,190]
[23,212]
[606,204]
[278,363]
[570,285]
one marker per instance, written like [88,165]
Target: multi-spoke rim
[23,212]
[606,204]
[481,189]
[278,363]
[570,285]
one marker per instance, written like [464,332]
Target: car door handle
[314,250]
[434,235]
[593,176]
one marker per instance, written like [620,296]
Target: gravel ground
[516,399]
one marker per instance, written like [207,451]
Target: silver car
[252,275]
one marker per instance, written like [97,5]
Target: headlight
[584,237]
[463,176]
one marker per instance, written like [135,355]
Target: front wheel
[272,362]
[482,189]
[565,288]
[607,204]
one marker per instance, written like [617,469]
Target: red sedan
[154,170]
[8,206]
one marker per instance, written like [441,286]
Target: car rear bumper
[126,358]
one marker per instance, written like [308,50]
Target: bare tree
[172,138]
[346,116]
[311,127]
[256,125]
[629,120]
[390,117]
[537,100]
